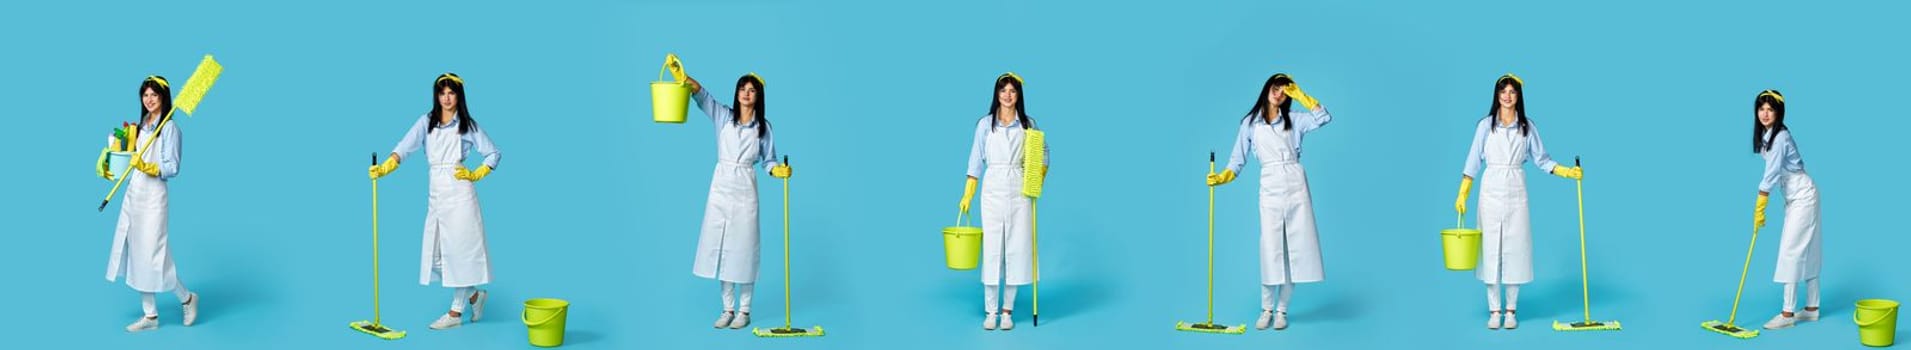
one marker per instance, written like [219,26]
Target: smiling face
[1508,96]
[1007,95]
[149,99]
[1767,114]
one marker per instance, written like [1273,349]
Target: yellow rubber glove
[1569,172]
[378,171]
[968,194]
[1222,178]
[1293,91]
[675,66]
[1466,188]
[781,171]
[1758,213]
[472,176]
[149,168]
[105,169]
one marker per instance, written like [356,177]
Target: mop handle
[1210,241]
[377,319]
[1741,278]
[1585,288]
[123,174]
[1035,250]
[786,246]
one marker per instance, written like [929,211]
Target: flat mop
[1728,327]
[1034,171]
[787,330]
[1210,326]
[188,99]
[1585,292]
[376,326]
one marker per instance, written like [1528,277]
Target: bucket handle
[1862,323]
[527,317]
[960,215]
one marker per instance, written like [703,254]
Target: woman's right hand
[1466,187]
[968,194]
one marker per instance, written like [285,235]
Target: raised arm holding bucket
[1289,243]
[1504,141]
[1007,242]
[727,248]
[454,250]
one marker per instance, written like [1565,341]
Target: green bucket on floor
[1877,321]
[545,319]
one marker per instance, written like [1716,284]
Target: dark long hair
[456,84]
[159,86]
[736,115]
[1519,103]
[1760,141]
[1021,96]
[1260,102]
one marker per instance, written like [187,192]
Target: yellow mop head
[1034,167]
[197,85]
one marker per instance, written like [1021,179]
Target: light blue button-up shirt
[473,140]
[1781,159]
[723,117]
[1305,121]
[979,149]
[1536,152]
[164,152]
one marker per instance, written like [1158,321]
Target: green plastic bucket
[1877,322]
[962,245]
[1462,247]
[545,319]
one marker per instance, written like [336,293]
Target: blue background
[875,101]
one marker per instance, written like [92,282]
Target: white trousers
[148,303]
[1811,295]
[1493,297]
[744,292]
[990,299]
[1268,296]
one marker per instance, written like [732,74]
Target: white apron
[1005,211]
[139,241]
[1506,246]
[454,249]
[727,249]
[1290,245]
[1800,252]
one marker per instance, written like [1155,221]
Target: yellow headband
[1516,78]
[759,79]
[1012,75]
[452,78]
[1774,94]
[161,81]
[1280,75]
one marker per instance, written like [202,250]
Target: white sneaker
[1511,322]
[1807,315]
[1280,321]
[477,305]
[1266,320]
[1493,322]
[988,323]
[143,324]
[191,307]
[1008,321]
[447,322]
[741,320]
[723,320]
[1781,322]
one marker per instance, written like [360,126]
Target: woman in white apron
[727,249]
[1290,245]
[1504,141]
[1006,244]
[1800,253]
[140,248]
[454,245]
